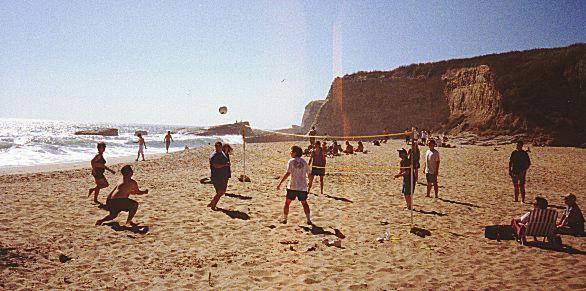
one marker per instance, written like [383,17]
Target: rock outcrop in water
[537,94]
[224,129]
[99,131]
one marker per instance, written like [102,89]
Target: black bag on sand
[499,232]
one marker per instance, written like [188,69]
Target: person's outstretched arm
[283,179]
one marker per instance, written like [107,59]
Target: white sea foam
[28,142]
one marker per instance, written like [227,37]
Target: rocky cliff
[539,93]
[309,114]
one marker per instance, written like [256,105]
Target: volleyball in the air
[223,110]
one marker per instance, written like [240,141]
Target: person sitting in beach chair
[538,222]
[572,222]
[118,200]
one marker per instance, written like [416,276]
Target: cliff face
[540,93]
[310,113]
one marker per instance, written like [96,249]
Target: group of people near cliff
[302,174]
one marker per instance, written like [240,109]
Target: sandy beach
[182,244]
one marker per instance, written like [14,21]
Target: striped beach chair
[541,223]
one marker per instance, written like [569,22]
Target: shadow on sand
[316,230]
[458,202]
[139,229]
[238,196]
[339,198]
[234,214]
[547,246]
[429,212]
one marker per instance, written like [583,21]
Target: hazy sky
[176,62]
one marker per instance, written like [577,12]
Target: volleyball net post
[244,152]
[412,186]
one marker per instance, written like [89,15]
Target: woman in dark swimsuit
[98,169]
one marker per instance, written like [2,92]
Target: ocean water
[30,142]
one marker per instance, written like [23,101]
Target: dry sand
[242,246]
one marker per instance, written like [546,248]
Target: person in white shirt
[424,136]
[298,169]
[431,167]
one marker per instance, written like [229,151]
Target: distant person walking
[220,172]
[431,167]
[298,169]
[311,133]
[98,168]
[317,160]
[168,140]
[141,146]
[519,163]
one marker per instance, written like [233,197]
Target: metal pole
[412,186]
[244,151]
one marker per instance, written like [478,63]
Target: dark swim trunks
[292,194]
[220,184]
[115,206]
[318,171]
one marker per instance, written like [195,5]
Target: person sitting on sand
[360,147]
[519,222]
[572,222]
[118,200]
[298,169]
[439,143]
[405,172]
[220,172]
[98,168]
[335,151]
[349,148]
[141,146]
[317,160]
[168,140]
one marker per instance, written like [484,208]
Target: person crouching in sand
[118,200]
[98,168]
[298,169]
